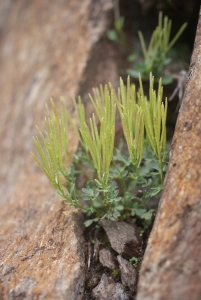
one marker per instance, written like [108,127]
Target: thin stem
[123,184]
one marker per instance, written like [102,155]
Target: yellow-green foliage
[101,142]
[132,121]
[155,113]
[53,146]
[142,119]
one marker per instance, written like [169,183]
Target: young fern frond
[155,119]
[54,157]
[159,45]
[132,121]
[101,142]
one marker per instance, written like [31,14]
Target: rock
[46,50]
[41,250]
[94,280]
[172,262]
[124,237]
[107,259]
[60,53]
[108,289]
[128,273]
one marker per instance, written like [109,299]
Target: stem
[123,184]
[83,172]
[116,10]
[161,169]
[137,172]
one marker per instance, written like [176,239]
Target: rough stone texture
[41,249]
[128,273]
[47,49]
[123,237]
[108,289]
[107,259]
[171,268]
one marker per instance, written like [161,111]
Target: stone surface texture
[108,289]
[107,259]
[47,49]
[120,234]
[171,268]
[128,273]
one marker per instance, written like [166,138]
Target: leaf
[132,57]
[129,195]
[167,80]
[112,35]
[140,211]
[117,199]
[88,192]
[119,24]
[119,207]
[133,73]
[147,215]
[88,222]
[85,197]
[154,191]
[155,165]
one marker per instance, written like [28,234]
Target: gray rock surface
[128,273]
[108,289]
[123,237]
[107,259]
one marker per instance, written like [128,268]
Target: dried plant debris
[179,90]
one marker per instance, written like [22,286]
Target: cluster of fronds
[143,120]
[155,54]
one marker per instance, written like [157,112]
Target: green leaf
[154,191]
[117,199]
[85,197]
[147,215]
[119,24]
[155,165]
[167,80]
[88,192]
[119,207]
[133,73]
[112,35]
[132,57]
[140,211]
[88,222]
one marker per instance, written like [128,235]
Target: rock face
[108,289]
[124,237]
[47,49]
[172,262]
[128,273]
[41,250]
[107,259]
